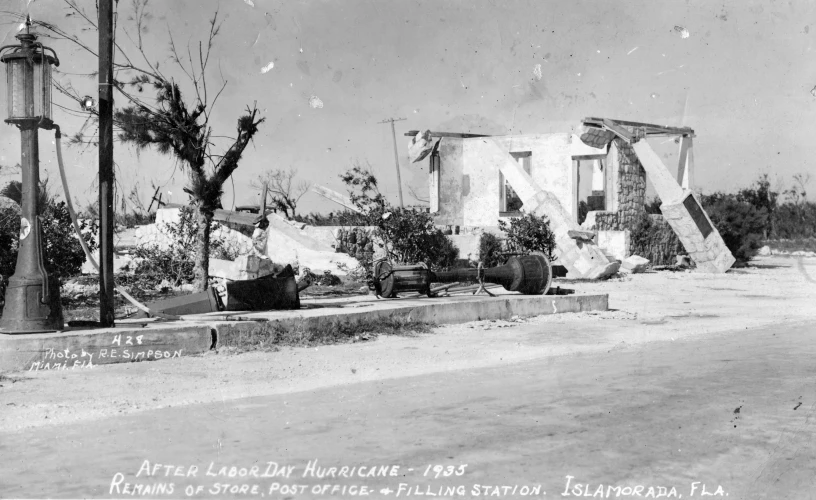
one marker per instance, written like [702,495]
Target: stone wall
[631,186]
[630,191]
[657,242]
[357,242]
[604,221]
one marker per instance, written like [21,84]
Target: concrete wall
[631,185]
[451,183]
[469,185]
[615,243]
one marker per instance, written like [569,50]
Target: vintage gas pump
[32,297]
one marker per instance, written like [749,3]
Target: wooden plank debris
[413,133]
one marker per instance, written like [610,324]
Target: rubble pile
[262,251]
[634,264]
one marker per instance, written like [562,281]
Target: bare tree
[160,116]
[286,193]
[798,192]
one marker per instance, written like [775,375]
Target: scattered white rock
[634,264]
[315,102]
[764,251]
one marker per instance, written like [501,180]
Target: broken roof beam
[336,197]
[412,133]
[649,128]
[618,130]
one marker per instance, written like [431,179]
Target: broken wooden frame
[620,128]
[680,206]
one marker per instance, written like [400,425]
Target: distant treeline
[342,218]
[758,213]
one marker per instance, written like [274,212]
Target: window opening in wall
[509,201]
[590,186]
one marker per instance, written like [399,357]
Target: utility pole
[396,156]
[106,297]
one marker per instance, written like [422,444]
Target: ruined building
[605,168]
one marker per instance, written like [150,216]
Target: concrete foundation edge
[86,349]
[434,313]
[89,348]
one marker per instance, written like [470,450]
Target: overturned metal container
[279,291]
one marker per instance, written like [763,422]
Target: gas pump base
[25,312]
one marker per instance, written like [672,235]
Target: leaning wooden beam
[412,133]
[651,128]
[685,163]
[618,130]
[336,197]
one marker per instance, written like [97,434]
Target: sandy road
[743,336]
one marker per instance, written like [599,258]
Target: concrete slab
[320,314]
[75,349]
[72,349]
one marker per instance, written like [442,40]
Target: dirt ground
[651,307]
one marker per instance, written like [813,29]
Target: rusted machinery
[527,274]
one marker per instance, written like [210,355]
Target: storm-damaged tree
[159,115]
[285,192]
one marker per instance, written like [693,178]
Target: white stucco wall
[469,182]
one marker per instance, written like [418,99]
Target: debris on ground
[634,264]
[277,242]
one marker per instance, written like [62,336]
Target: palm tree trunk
[204,218]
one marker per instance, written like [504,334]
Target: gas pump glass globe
[28,80]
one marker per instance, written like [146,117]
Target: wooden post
[262,204]
[106,285]
[396,156]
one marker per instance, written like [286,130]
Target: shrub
[530,233]
[63,251]
[175,264]
[325,279]
[409,235]
[490,248]
[64,254]
[341,218]
[795,220]
[653,206]
[761,196]
[655,241]
[741,225]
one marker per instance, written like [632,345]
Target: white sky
[742,79]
